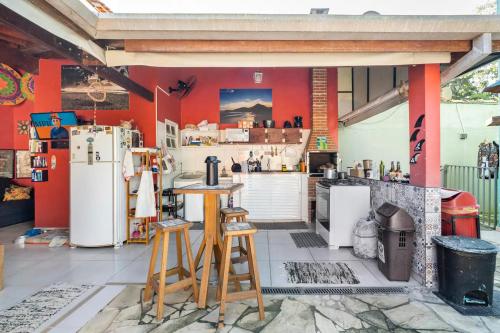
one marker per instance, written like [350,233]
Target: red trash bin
[459,214]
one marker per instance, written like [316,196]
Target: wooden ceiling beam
[17,59]
[69,51]
[297,46]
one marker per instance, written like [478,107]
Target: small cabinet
[292,135]
[274,135]
[257,135]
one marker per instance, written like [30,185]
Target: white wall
[386,136]
[193,158]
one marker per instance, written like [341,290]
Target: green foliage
[468,88]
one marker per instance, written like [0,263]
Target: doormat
[280,225]
[475,310]
[197,226]
[308,239]
[37,309]
[320,273]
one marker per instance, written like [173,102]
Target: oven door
[323,206]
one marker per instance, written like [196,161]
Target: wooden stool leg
[163,270]
[254,273]
[240,239]
[221,270]
[224,279]
[180,267]
[207,261]
[192,271]
[152,263]
[200,253]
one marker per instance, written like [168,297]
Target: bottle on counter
[392,171]
[302,165]
[381,170]
[399,173]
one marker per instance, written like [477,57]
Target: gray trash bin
[395,234]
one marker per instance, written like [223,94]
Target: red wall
[291,93]
[291,97]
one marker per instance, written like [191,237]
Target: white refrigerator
[97,187]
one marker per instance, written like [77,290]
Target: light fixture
[257,77]
[319,11]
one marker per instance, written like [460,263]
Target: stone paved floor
[417,311]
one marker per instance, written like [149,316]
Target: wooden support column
[424,116]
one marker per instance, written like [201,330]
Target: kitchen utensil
[287,124]
[329,173]
[342,175]
[236,167]
[269,123]
[212,170]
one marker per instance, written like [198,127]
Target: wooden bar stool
[240,214]
[245,230]
[157,281]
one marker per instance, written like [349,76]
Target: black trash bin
[395,234]
[466,270]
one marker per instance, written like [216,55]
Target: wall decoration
[28,86]
[23,127]
[7,163]
[10,86]
[23,164]
[53,125]
[76,85]
[245,104]
[414,137]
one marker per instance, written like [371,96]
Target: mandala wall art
[28,86]
[10,86]
[23,127]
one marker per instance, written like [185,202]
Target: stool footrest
[239,295]
[240,277]
[172,271]
[173,286]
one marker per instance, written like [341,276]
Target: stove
[340,182]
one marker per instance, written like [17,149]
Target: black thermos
[212,170]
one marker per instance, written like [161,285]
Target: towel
[128,165]
[146,203]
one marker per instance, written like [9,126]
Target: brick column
[319,118]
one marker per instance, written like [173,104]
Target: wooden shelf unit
[145,156]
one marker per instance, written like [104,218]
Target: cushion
[15,192]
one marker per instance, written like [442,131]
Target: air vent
[333,290]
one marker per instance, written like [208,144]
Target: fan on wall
[183,88]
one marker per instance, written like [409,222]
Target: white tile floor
[33,267]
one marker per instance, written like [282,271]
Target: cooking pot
[342,175]
[236,167]
[268,123]
[329,173]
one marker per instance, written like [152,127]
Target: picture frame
[171,134]
[7,163]
[23,164]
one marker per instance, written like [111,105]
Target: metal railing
[482,183]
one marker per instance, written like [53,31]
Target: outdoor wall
[386,136]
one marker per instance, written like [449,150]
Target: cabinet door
[285,197]
[256,197]
[292,135]
[257,135]
[274,135]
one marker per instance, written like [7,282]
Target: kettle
[212,170]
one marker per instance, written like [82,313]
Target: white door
[91,204]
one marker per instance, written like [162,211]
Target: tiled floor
[35,266]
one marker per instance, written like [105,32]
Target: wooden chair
[157,281]
[246,231]
[240,214]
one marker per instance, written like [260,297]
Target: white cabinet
[271,196]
